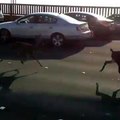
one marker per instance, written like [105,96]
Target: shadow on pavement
[36,106]
[48,52]
[7,80]
[47,106]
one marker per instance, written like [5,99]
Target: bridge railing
[23,9]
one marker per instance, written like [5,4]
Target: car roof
[45,13]
[59,15]
[81,12]
[40,13]
[91,14]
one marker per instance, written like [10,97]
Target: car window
[25,19]
[79,16]
[82,17]
[31,19]
[49,19]
[35,19]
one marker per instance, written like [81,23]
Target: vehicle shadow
[49,52]
[96,42]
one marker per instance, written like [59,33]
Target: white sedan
[55,27]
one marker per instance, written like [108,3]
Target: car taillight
[82,28]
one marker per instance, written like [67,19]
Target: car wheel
[57,40]
[4,36]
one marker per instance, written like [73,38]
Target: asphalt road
[65,88]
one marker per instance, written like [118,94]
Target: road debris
[2,108]
[83,72]
[108,114]
[118,79]
[46,67]
[91,52]
[9,62]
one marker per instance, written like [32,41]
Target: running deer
[25,50]
[115,58]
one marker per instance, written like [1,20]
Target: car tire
[57,40]
[4,36]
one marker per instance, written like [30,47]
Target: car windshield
[54,67]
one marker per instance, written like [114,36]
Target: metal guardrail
[23,9]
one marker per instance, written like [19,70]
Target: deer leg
[97,90]
[37,60]
[115,93]
[39,63]
[105,63]
[23,56]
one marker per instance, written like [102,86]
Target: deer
[115,58]
[25,50]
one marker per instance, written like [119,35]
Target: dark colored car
[115,17]
[101,26]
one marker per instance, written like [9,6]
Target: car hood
[6,24]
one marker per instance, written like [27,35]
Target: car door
[44,26]
[40,27]
[49,23]
[22,27]
[29,27]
